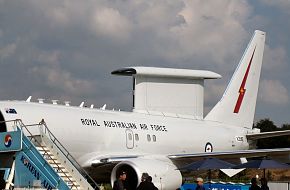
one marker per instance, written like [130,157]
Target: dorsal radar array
[168,90]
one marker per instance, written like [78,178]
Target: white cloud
[52,75]
[207,34]
[273,92]
[58,15]
[103,19]
[49,57]
[7,51]
[171,30]
[174,30]
[62,80]
[109,22]
[275,59]
[68,47]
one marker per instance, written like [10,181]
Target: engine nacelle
[164,173]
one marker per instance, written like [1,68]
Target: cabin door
[129,139]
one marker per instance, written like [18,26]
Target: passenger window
[149,138]
[130,136]
[154,138]
[136,137]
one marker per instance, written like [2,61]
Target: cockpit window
[10,110]
[2,124]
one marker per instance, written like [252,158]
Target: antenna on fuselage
[40,100]
[54,102]
[82,104]
[104,107]
[28,99]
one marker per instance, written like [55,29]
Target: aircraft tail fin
[237,106]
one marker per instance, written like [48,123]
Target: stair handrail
[66,153]
[60,147]
[46,153]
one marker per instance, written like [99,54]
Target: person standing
[143,180]
[199,182]
[119,183]
[254,185]
[264,184]
[147,184]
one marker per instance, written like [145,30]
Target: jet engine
[164,173]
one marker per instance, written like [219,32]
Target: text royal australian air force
[123,125]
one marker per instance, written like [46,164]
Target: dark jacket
[264,187]
[118,185]
[146,185]
[254,187]
[199,187]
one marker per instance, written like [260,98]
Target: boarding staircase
[43,157]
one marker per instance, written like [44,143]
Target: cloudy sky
[66,49]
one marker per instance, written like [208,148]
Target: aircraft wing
[277,153]
[282,154]
[267,134]
[111,160]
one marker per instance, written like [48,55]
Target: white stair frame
[73,173]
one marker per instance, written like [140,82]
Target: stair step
[69,180]
[70,184]
[52,162]
[63,174]
[48,156]
[43,150]
[43,147]
[45,153]
[59,169]
[59,159]
[69,177]
[73,187]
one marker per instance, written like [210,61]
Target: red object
[242,89]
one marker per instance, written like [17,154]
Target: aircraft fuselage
[91,134]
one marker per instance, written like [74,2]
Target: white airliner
[160,134]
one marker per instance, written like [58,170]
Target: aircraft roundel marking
[7,140]
[208,147]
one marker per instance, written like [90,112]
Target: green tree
[266,125]
[285,127]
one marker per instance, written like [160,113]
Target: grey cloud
[273,92]
[66,49]
[283,5]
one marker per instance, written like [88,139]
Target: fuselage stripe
[242,89]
